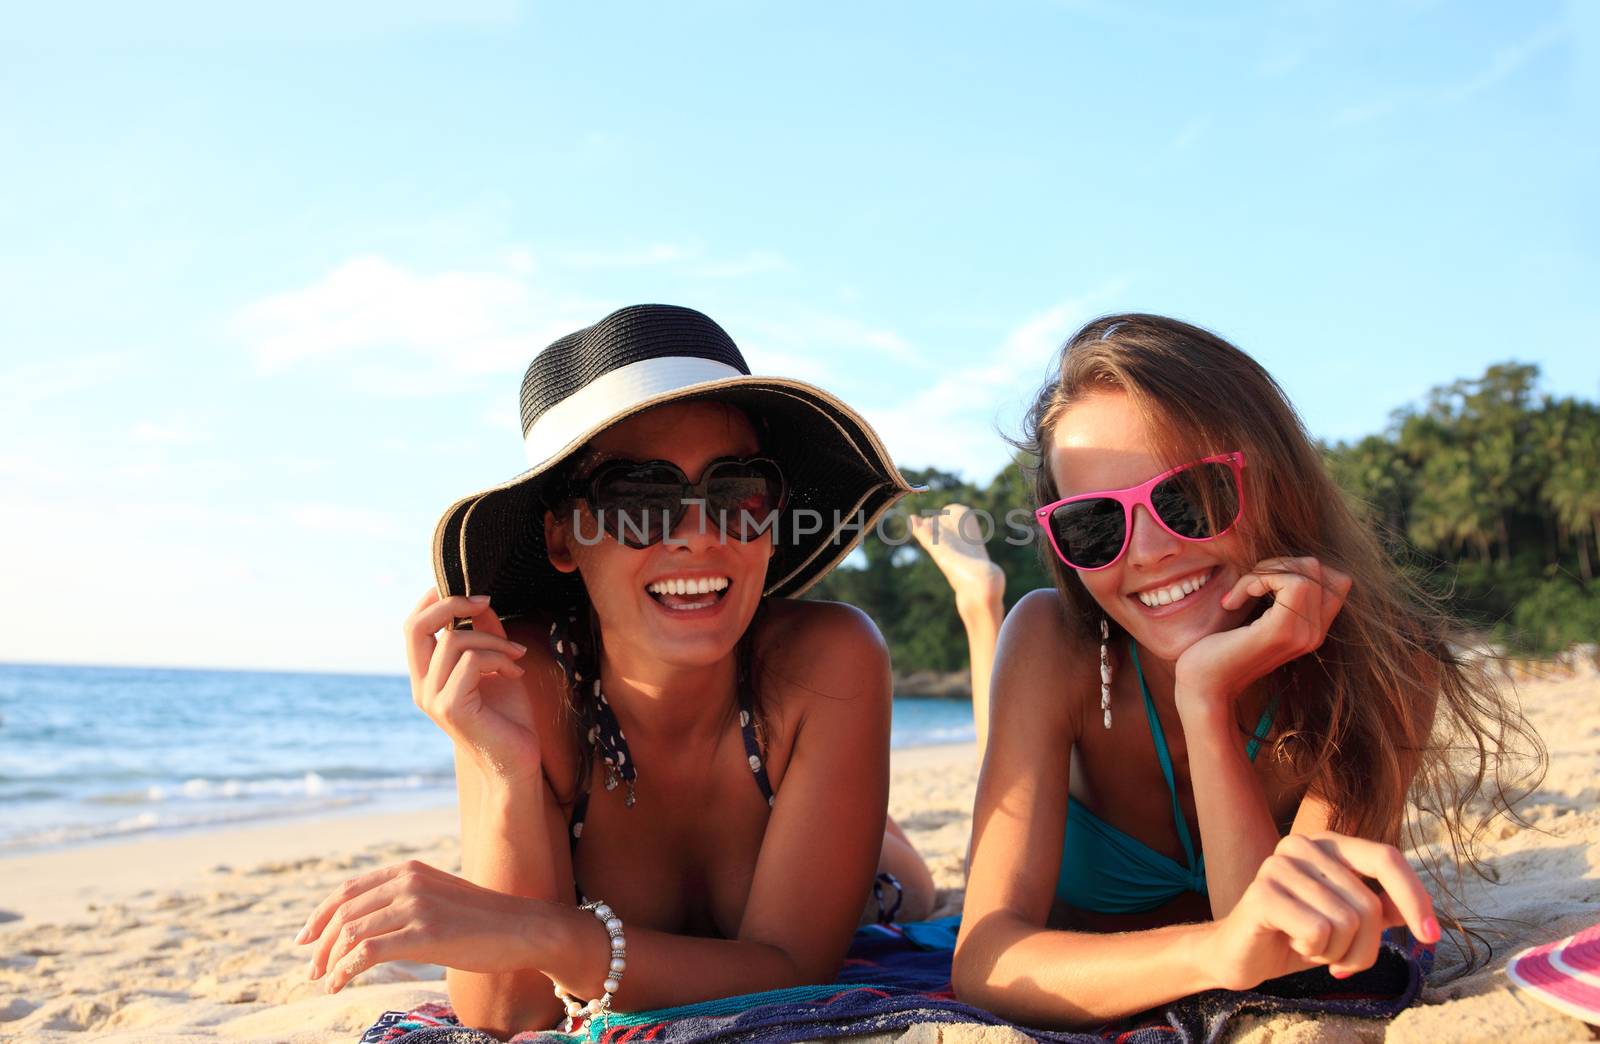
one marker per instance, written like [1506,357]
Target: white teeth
[686,586]
[1175,592]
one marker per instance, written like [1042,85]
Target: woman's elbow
[969,972]
[502,1008]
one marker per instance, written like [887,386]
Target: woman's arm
[1305,905]
[498,701]
[817,858]
[513,841]
[1237,829]
[1006,960]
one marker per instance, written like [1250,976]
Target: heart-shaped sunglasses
[638,503]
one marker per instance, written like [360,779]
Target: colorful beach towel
[897,976]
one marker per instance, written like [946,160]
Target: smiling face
[687,600]
[1165,591]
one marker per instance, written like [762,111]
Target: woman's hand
[469,683]
[1309,905]
[1306,596]
[415,912]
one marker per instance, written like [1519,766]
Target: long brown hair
[1386,707]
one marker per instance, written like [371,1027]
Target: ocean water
[96,753]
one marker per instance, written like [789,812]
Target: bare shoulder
[822,654]
[818,635]
[1042,654]
[1040,624]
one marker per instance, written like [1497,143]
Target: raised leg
[952,541]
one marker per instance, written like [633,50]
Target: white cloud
[799,343]
[54,378]
[467,322]
[165,433]
[344,520]
[956,423]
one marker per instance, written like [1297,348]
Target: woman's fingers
[453,709]
[363,922]
[342,930]
[489,623]
[370,950]
[1271,576]
[429,618]
[1335,589]
[487,650]
[1362,909]
[1305,926]
[1306,594]
[1295,870]
[356,886]
[1400,884]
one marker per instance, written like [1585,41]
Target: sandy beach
[189,938]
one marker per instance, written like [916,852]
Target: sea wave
[308,784]
[149,822]
[933,737]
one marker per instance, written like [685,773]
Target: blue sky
[272,276]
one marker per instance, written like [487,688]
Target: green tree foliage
[894,580]
[1488,489]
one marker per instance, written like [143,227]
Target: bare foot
[952,541]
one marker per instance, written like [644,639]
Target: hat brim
[1564,974]
[492,542]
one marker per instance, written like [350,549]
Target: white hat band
[613,393]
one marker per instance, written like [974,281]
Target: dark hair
[583,627]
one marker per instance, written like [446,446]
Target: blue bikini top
[1105,870]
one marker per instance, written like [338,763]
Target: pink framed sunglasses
[1090,531]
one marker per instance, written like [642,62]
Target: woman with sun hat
[672,773]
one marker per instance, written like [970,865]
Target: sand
[189,938]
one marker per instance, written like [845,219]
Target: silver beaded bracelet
[601,1006]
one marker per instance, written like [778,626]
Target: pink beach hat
[1564,974]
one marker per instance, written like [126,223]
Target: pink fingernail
[1430,930]
[1339,974]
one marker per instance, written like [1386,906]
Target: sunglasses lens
[1198,502]
[638,505]
[1089,533]
[743,496]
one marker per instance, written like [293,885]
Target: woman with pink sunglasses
[1199,743]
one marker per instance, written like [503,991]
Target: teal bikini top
[1105,870]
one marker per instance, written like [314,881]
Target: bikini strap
[754,748]
[605,734]
[1160,738]
[1263,726]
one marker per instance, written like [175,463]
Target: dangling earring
[1105,672]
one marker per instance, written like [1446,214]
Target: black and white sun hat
[638,357]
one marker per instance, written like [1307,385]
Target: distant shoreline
[933,685]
